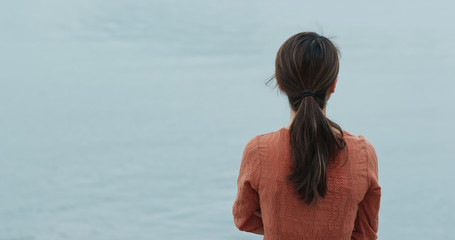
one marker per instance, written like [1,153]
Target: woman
[310,179]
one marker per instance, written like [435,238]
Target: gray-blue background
[127,119]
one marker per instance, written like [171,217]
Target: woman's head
[309,62]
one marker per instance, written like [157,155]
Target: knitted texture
[348,211]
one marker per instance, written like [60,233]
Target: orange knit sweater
[349,210]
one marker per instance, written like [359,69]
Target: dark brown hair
[309,62]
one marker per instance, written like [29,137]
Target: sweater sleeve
[366,223]
[247,200]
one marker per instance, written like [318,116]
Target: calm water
[127,119]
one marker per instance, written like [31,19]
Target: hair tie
[307,93]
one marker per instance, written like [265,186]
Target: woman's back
[351,201]
[310,180]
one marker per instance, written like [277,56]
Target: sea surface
[127,119]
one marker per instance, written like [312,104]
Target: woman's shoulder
[281,134]
[349,135]
[272,137]
[269,139]
[361,143]
[356,138]
[280,137]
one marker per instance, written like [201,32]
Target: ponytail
[313,143]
